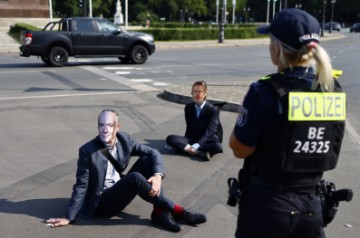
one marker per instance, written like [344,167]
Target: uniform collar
[298,71]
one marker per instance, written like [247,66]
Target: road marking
[142,80]
[119,79]
[210,64]
[61,95]
[119,68]
[160,84]
[122,72]
[352,132]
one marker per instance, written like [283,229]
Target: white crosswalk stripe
[133,70]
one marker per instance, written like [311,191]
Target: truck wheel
[45,59]
[58,56]
[139,54]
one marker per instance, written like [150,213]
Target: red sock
[157,210]
[178,209]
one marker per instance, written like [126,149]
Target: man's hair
[112,111]
[200,83]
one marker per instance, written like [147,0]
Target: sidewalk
[7,44]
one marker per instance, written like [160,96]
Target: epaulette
[336,73]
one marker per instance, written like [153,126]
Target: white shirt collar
[201,106]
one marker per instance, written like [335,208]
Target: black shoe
[190,217]
[163,219]
[203,155]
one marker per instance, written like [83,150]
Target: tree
[347,11]
[105,8]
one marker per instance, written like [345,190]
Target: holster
[243,177]
[330,198]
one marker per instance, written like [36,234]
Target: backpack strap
[219,129]
[107,154]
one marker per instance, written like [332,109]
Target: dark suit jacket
[205,128]
[91,171]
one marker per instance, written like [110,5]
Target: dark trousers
[117,197]
[179,143]
[267,212]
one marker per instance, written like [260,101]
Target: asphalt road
[47,113]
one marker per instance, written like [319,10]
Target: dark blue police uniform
[274,203]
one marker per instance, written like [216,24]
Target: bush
[18,27]
[174,31]
[186,34]
[193,25]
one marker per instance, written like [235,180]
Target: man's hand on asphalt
[56,222]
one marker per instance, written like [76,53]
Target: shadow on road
[56,207]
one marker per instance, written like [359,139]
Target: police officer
[289,130]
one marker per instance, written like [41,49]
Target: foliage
[18,27]
[347,11]
[104,8]
[188,34]
[173,33]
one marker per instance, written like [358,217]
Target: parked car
[335,26]
[355,28]
[85,37]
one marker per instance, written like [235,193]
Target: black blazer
[91,171]
[205,128]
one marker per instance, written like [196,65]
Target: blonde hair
[310,55]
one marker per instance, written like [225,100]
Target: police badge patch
[242,116]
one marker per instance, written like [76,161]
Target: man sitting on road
[102,189]
[203,135]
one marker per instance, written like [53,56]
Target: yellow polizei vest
[317,106]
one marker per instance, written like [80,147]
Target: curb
[214,43]
[7,50]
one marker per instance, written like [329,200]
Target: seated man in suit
[203,135]
[101,187]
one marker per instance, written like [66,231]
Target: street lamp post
[126,14]
[332,15]
[280,5]
[221,26]
[50,10]
[217,11]
[274,4]
[226,12]
[268,11]
[90,8]
[323,19]
[233,14]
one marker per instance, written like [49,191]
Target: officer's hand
[155,181]
[56,222]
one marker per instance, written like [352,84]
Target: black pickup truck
[85,37]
